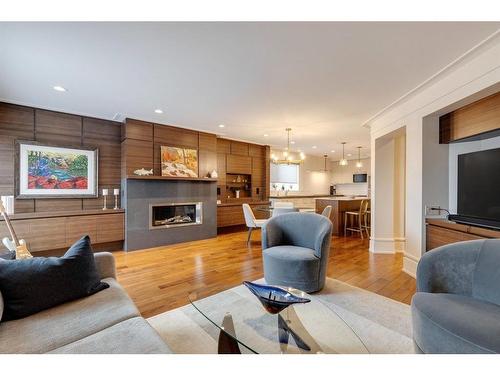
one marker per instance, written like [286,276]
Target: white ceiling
[321,79]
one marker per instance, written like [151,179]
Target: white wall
[456,149]
[341,177]
[434,166]
[388,226]
[343,174]
[473,76]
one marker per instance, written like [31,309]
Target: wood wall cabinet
[251,162]
[223,146]
[221,169]
[136,129]
[258,171]
[110,228]
[479,118]
[52,231]
[207,158]
[238,164]
[239,148]
[230,214]
[441,232]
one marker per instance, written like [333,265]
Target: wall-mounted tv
[359,177]
[478,193]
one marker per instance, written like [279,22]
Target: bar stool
[367,221]
[356,219]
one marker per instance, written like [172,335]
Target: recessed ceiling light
[314,147]
[332,151]
[266,135]
[292,142]
[59,88]
[222,126]
[349,154]
[158,111]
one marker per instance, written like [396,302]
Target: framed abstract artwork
[45,171]
[179,162]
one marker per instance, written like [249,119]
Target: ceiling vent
[118,117]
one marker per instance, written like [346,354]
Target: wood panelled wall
[243,158]
[480,117]
[142,141]
[59,129]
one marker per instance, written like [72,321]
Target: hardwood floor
[160,279]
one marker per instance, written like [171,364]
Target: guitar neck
[10,228]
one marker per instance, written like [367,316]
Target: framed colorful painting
[44,171]
[179,162]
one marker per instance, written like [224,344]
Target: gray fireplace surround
[141,196]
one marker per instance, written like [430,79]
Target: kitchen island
[340,204]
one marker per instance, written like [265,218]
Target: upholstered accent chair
[295,249]
[457,305]
[250,220]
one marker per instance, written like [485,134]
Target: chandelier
[287,157]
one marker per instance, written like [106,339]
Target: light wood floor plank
[160,279]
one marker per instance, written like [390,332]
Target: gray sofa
[457,305]
[106,322]
[295,248]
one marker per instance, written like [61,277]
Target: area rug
[383,325]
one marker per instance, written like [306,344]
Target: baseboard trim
[410,266]
[387,245]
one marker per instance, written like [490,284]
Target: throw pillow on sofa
[32,285]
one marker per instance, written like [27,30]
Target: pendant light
[343,162]
[287,157]
[359,164]
[326,157]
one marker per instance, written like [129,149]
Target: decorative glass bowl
[273,298]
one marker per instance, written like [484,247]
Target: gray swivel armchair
[295,249]
[457,305]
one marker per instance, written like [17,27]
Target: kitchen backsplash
[352,189]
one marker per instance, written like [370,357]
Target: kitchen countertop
[295,196]
[343,198]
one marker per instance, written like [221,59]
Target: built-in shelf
[203,179]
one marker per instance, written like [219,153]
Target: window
[285,177]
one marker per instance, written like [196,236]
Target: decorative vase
[273,298]
[214,174]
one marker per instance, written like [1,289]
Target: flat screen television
[359,177]
[478,193]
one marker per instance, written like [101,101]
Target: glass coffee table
[244,326]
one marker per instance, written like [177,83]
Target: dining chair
[250,220]
[327,211]
[353,220]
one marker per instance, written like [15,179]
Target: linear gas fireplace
[170,215]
